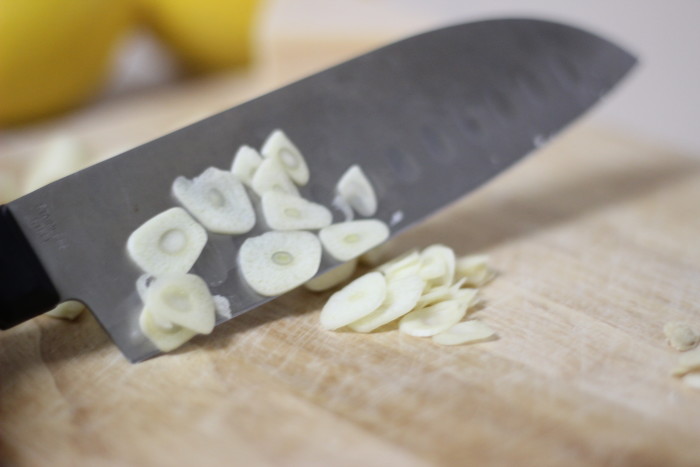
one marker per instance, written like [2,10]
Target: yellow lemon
[206,35]
[54,54]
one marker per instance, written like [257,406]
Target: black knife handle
[25,289]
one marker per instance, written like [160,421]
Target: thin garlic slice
[356,189]
[438,265]
[67,310]
[168,242]
[218,200]
[680,336]
[279,147]
[334,277]
[271,176]
[432,319]
[165,338]
[183,300]
[348,240]
[245,164]
[405,265]
[475,269]
[276,262]
[688,362]
[287,212]
[354,301]
[467,332]
[402,296]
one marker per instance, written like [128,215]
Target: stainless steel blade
[428,118]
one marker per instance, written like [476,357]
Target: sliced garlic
[347,240]
[183,300]
[405,265]
[467,332]
[688,362]
[401,297]
[245,164]
[222,306]
[335,276]
[271,176]
[475,269]
[356,189]
[168,242]
[279,147]
[164,338]
[354,301]
[432,319]
[438,265]
[680,336]
[218,200]
[288,212]
[67,310]
[276,262]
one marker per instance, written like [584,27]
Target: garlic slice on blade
[287,212]
[347,240]
[67,310]
[354,301]
[183,300]
[164,338]
[438,265]
[276,262]
[330,279]
[279,147]
[245,164]
[356,189]
[271,176]
[168,242]
[432,319]
[218,200]
[401,297]
[467,332]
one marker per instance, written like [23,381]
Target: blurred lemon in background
[55,54]
[206,35]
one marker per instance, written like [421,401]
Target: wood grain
[596,241]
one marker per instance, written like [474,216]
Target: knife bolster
[25,288]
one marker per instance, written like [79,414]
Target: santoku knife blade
[428,119]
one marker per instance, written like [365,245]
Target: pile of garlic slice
[429,292]
[178,304]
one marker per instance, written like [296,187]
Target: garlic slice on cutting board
[438,265]
[355,188]
[287,212]
[245,164]
[276,262]
[168,242]
[348,240]
[401,297]
[218,200]
[354,301]
[279,147]
[467,332]
[433,319]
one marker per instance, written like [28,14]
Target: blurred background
[82,80]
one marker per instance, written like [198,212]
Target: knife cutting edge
[428,118]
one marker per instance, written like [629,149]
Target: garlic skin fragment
[466,332]
[279,147]
[356,189]
[168,242]
[286,212]
[218,200]
[67,310]
[334,277]
[164,338]
[402,296]
[245,164]
[431,320]
[183,300]
[347,240]
[271,176]
[276,262]
[354,301]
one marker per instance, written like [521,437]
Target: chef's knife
[428,119]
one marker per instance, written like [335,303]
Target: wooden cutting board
[596,241]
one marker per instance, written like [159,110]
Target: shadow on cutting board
[559,185]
